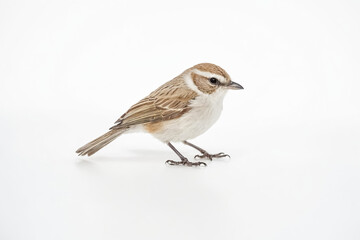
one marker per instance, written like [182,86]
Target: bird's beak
[233,85]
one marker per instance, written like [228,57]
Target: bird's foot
[185,162]
[211,156]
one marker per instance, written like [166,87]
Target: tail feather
[100,142]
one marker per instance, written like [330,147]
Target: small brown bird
[177,111]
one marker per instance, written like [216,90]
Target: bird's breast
[205,111]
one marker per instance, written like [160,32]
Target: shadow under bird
[181,109]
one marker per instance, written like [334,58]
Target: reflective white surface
[68,70]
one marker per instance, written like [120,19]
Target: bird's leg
[184,160]
[205,154]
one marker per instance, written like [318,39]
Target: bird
[179,110]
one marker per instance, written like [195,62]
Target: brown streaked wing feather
[169,101]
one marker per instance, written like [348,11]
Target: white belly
[205,112]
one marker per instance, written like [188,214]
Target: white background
[69,69]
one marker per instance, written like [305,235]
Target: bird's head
[208,78]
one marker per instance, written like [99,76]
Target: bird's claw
[211,156]
[185,163]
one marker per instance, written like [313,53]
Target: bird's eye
[213,80]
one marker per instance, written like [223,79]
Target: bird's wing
[169,101]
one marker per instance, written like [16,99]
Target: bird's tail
[100,142]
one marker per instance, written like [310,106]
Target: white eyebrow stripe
[210,75]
